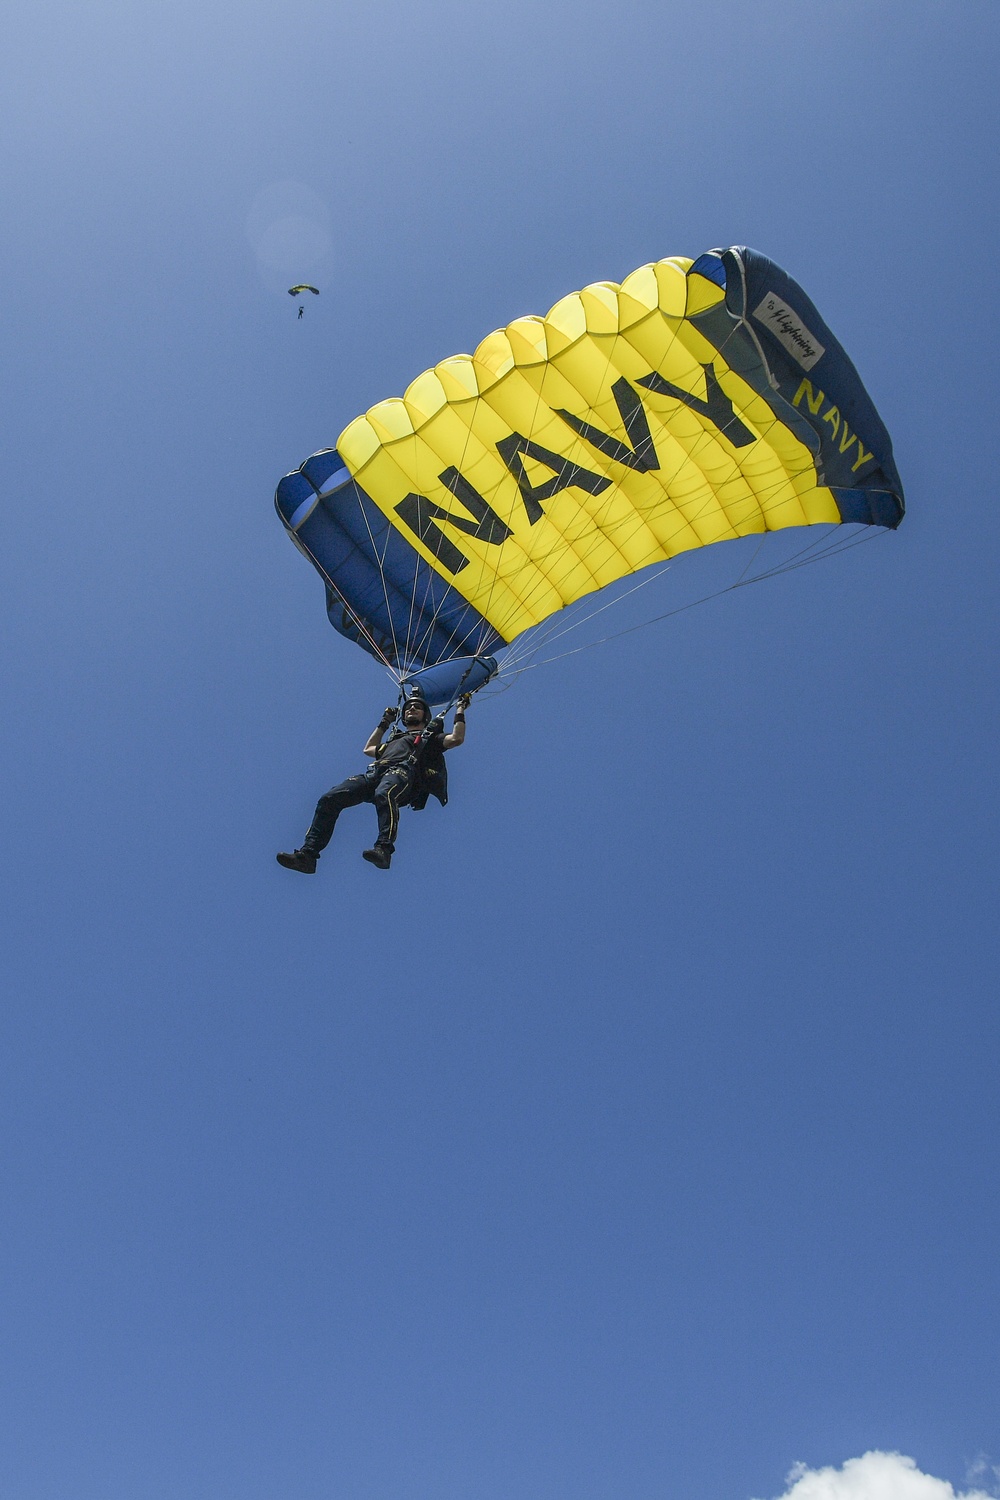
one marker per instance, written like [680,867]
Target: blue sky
[637,1134]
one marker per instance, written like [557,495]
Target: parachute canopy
[697,402]
[295,291]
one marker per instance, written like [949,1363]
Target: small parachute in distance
[697,402]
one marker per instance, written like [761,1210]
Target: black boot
[303,860]
[379,856]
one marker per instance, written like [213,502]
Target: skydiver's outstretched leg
[332,803]
[328,809]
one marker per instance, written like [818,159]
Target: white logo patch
[789,329]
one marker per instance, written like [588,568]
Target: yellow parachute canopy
[694,403]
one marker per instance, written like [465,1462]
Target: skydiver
[406,769]
[301,311]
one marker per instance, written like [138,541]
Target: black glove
[388,717]
[463,703]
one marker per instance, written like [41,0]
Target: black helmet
[414,695]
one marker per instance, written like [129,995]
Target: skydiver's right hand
[389,716]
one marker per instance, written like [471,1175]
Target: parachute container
[696,402]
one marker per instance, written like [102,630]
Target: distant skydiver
[407,769]
[296,291]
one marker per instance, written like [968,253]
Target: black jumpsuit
[388,782]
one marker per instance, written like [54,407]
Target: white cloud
[875,1476]
[983,1468]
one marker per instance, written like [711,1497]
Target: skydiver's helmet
[415,698]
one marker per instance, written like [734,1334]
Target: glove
[463,702]
[388,717]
